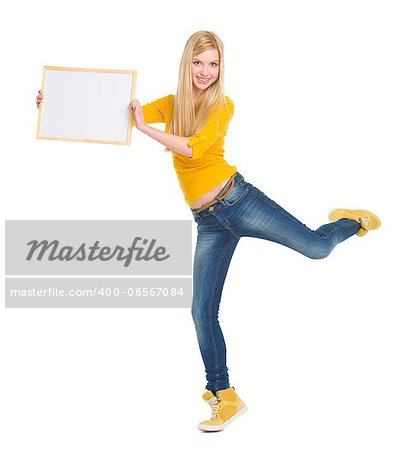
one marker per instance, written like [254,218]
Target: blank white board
[86,105]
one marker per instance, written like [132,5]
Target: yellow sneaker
[367,219]
[226,406]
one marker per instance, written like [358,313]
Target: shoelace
[365,220]
[216,408]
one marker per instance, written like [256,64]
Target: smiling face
[205,69]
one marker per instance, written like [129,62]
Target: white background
[321,351]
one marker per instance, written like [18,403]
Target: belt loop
[221,201]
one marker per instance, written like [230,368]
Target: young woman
[224,205]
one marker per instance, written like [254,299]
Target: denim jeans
[244,211]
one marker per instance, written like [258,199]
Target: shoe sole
[222,426]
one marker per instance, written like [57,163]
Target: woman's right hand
[39,99]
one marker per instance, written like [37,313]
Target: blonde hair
[187,118]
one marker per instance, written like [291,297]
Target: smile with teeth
[203,80]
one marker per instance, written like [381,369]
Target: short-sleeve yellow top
[206,168]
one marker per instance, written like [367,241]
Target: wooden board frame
[127,141]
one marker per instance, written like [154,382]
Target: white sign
[86,105]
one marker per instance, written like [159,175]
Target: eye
[214,63]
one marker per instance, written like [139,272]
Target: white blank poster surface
[87,105]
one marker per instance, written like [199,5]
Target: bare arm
[176,143]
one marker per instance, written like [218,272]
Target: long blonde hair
[187,118]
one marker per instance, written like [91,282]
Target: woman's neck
[196,100]
[196,95]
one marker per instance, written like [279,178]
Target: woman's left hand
[138,114]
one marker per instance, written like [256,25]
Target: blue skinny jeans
[244,211]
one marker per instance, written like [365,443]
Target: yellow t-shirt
[207,167]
